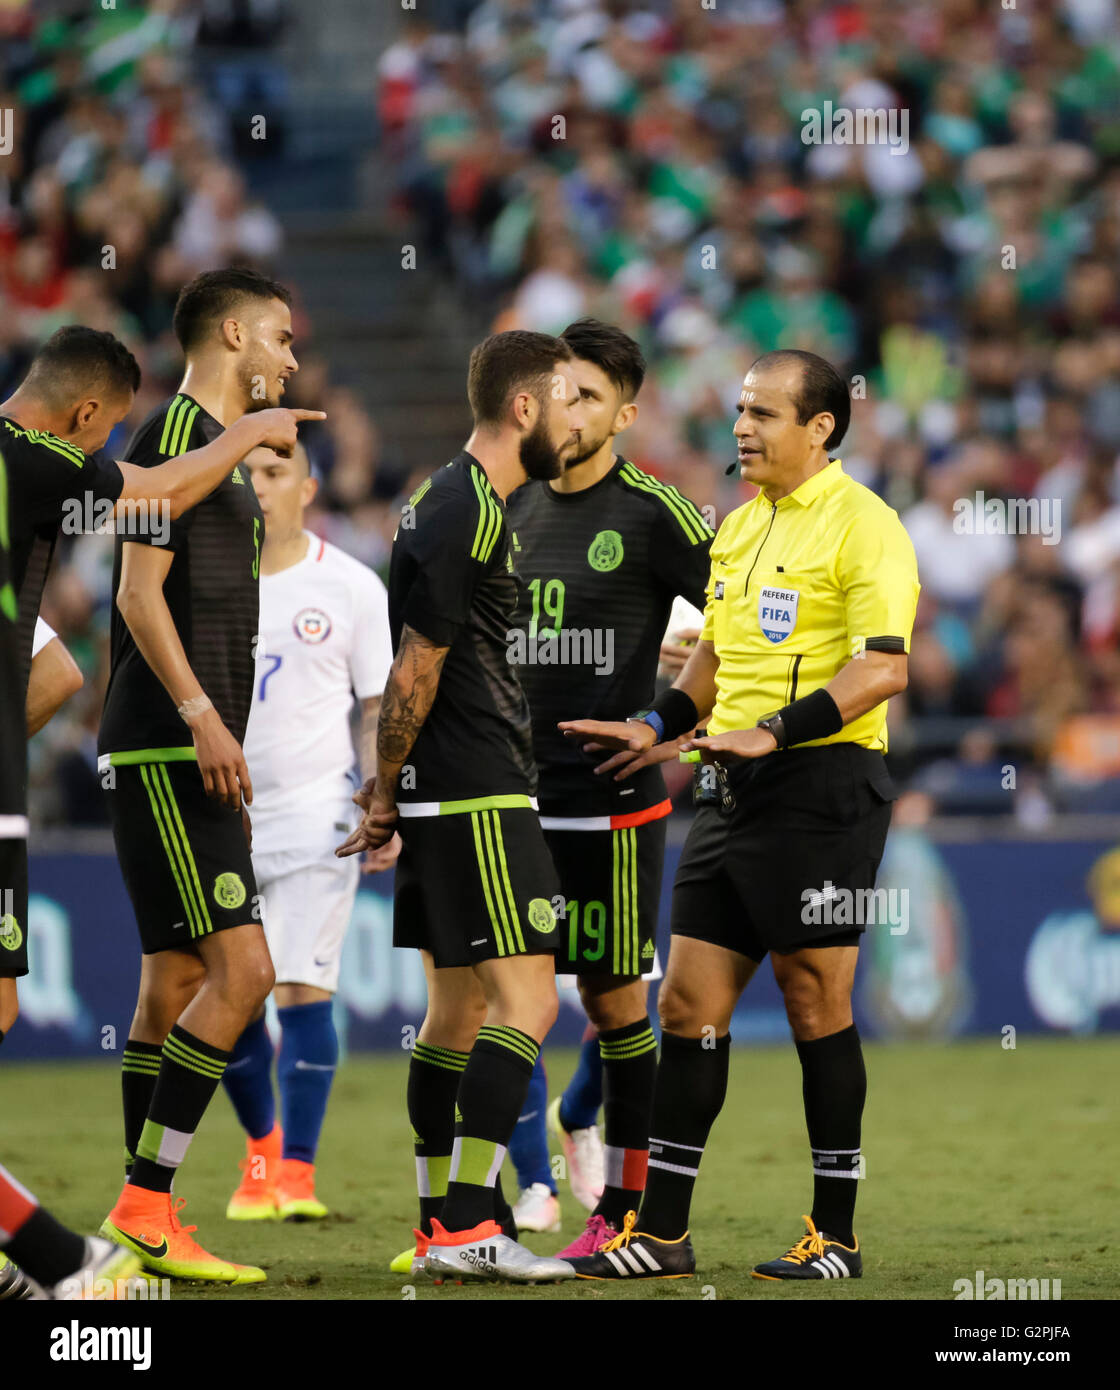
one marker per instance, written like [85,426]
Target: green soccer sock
[492,1092]
[189,1072]
[434,1074]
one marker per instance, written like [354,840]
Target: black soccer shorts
[809,826]
[611,884]
[13,907]
[475,885]
[183,855]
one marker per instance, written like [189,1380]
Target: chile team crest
[777,612]
[312,625]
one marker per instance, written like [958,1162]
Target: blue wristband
[655,722]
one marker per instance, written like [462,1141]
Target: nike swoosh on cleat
[154,1252]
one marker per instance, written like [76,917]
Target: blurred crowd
[645,161]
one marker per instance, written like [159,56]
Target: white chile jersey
[323,639]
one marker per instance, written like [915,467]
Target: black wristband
[677,712]
[813,716]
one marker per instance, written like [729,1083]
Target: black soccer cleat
[633,1255]
[814,1256]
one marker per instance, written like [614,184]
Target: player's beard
[253,375]
[584,451]
[540,458]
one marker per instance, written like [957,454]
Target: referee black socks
[689,1094]
[834,1085]
[189,1072]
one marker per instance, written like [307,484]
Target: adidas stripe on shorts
[611,884]
[184,856]
[475,882]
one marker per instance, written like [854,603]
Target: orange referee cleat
[255,1197]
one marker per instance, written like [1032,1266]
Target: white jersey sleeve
[44,633]
[371,649]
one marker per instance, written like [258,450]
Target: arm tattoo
[409,695]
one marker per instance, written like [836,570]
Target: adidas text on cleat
[484,1253]
[583,1154]
[147,1223]
[632,1255]
[814,1256]
[255,1196]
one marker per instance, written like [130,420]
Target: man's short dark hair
[214,295]
[506,363]
[76,363]
[822,389]
[611,350]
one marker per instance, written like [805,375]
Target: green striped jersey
[13,741]
[451,579]
[211,591]
[600,569]
[50,483]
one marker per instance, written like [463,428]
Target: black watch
[773,723]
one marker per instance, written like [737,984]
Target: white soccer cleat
[537,1209]
[484,1253]
[100,1275]
[583,1154]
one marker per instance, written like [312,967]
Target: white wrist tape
[190,709]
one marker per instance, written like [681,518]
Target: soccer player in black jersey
[603,551]
[180,686]
[475,887]
[53,430]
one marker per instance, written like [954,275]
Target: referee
[810,606]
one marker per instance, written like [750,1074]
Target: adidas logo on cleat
[484,1260]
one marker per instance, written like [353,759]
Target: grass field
[977,1158]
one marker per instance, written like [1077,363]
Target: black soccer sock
[434,1074]
[689,1094]
[492,1091]
[139,1069]
[189,1073]
[629,1071]
[45,1249]
[834,1084]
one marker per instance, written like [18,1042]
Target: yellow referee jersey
[800,586]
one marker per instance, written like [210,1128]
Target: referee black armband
[677,713]
[813,716]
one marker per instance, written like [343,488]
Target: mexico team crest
[312,625]
[605,552]
[777,612]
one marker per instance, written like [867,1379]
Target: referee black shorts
[184,856]
[13,907]
[474,886]
[807,831]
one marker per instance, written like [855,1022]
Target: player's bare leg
[816,983]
